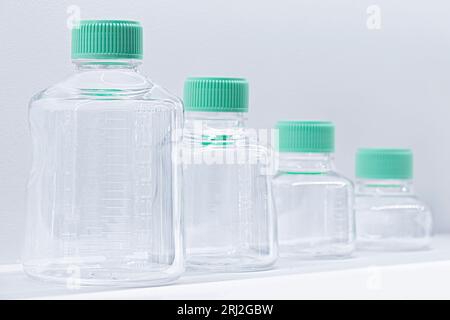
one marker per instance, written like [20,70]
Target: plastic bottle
[228,209]
[389,216]
[103,193]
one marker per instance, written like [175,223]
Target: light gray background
[311,59]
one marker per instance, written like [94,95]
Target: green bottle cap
[107,39]
[305,136]
[395,164]
[216,94]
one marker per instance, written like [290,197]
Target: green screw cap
[395,164]
[216,94]
[305,136]
[107,39]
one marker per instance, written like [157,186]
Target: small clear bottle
[103,205]
[228,209]
[314,203]
[389,216]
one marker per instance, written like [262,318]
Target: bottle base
[235,264]
[101,275]
[393,244]
[312,251]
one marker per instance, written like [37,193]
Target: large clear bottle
[314,203]
[228,209]
[103,193]
[389,216]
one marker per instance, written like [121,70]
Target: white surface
[414,275]
[304,59]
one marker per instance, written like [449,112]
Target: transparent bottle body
[228,208]
[390,217]
[103,191]
[314,206]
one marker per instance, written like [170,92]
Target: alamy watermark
[73,281]
[73,20]
[373,21]
[244,146]
[374,279]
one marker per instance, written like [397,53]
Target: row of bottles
[126,188]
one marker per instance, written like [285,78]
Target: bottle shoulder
[236,148]
[388,202]
[329,178]
[108,85]
[224,139]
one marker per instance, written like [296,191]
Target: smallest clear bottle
[389,216]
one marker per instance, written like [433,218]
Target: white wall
[311,59]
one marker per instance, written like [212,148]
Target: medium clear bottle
[388,213]
[314,203]
[228,209]
[103,205]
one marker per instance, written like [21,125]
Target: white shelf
[413,275]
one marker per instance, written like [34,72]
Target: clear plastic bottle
[389,216]
[314,203]
[103,193]
[228,209]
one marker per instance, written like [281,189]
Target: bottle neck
[384,187]
[216,120]
[217,128]
[305,163]
[106,64]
